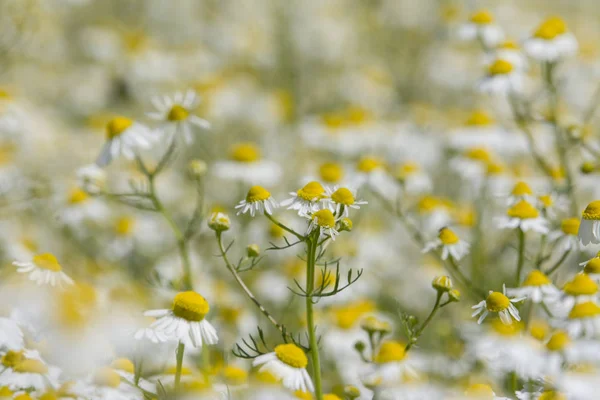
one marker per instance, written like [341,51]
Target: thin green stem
[285,228]
[312,335]
[418,333]
[521,259]
[462,279]
[180,351]
[557,265]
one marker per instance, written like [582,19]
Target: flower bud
[219,222]
[253,251]
[442,283]
[454,295]
[352,392]
[587,167]
[197,168]
[373,325]
[360,346]
[345,225]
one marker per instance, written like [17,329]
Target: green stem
[540,255]
[557,265]
[530,315]
[462,279]
[180,351]
[417,334]
[285,228]
[312,336]
[521,259]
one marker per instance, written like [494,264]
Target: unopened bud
[253,251]
[352,392]
[219,222]
[454,295]
[374,325]
[587,167]
[442,283]
[345,224]
[360,346]
[197,168]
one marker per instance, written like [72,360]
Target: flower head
[258,200]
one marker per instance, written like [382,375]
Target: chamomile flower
[325,222]
[481,26]
[536,286]
[567,237]
[124,137]
[551,41]
[521,191]
[106,384]
[592,268]
[501,78]
[288,362]
[524,216]
[91,178]
[412,178]
[589,229]
[26,369]
[541,395]
[583,320]
[482,391]
[450,243]
[497,302]
[79,207]
[184,321]
[176,114]
[509,50]
[390,364]
[581,288]
[306,200]
[258,200]
[44,269]
[245,164]
[341,200]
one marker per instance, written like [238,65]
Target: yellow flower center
[12,358]
[497,302]
[324,218]
[506,330]
[546,200]
[539,329]
[312,191]
[177,113]
[49,396]
[500,67]
[291,355]
[428,203]
[405,170]
[190,306]
[266,377]
[77,196]
[592,211]
[117,126]
[478,154]
[331,396]
[257,193]
[299,394]
[480,390]
[480,118]
[581,285]
[23,396]
[521,189]
[551,28]
[447,236]
[331,172]
[5,392]
[552,395]
[47,261]
[107,377]
[482,17]
[368,164]
[570,226]
[523,210]
[587,309]
[123,364]
[536,278]
[509,45]
[593,266]
[390,351]
[124,226]
[558,341]
[343,196]
[235,375]
[494,168]
[31,366]
[347,316]
[245,152]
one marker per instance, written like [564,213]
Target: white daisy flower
[91,178]
[589,229]
[106,384]
[258,200]
[567,237]
[536,286]
[524,216]
[592,268]
[288,362]
[434,213]
[175,113]
[341,200]
[246,165]
[581,288]
[582,320]
[11,335]
[509,50]
[390,364]
[325,221]
[481,391]
[551,41]
[501,78]
[44,269]
[471,164]
[413,179]
[124,137]
[521,191]
[450,243]
[26,369]
[185,321]
[306,200]
[481,26]
[498,302]
[79,206]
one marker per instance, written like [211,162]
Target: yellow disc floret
[570,226]
[31,366]
[552,395]
[581,285]
[331,172]
[480,390]
[551,28]
[390,351]
[124,226]
[77,196]
[331,396]
[312,191]
[291,355]
[523,210]
[586,309]
[536,278]
[47,261]
[245,152]
[447,236]
[592,211]
[478,154]
[507,330]
[592,266]
[257,193]
[12,358]
[521,189]
[368,164]
[343,196]
[123,364]
[482,17]
[117,126]
[500,67]
[107,377]
[324,218]
[497,302]
[178,113]
[558,341]
[190,306]
[479,118]
[235,375]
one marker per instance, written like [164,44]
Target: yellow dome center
[291,355]
[245,152]
[190,306]
[521,189]
[480,390]
[447,236]
[299,394]
[593,266]
[428,203]
[312,191]
[539,329]
[570,226]
[49,396]
[506,330]
[368,164]
[124,226]
[5,392]
[235,375]
[107,377]
[390,351]
[581,285]
[117,126]
[482,17]
[12,358]
[178,113]
[324,218]
[497,302]
[536,278]
[331,172]
[592,211]
[558,341]
[343,196]
[480,118]
[405,170]
[478,154]
[47,261]
[509,45]
[552,395]
[587,309]
[77,196]
[551,28]
[523,210]
[500,67]
[31,366]
[23,396]
[331,396]
[123,364]
[546,200]
[257,193]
